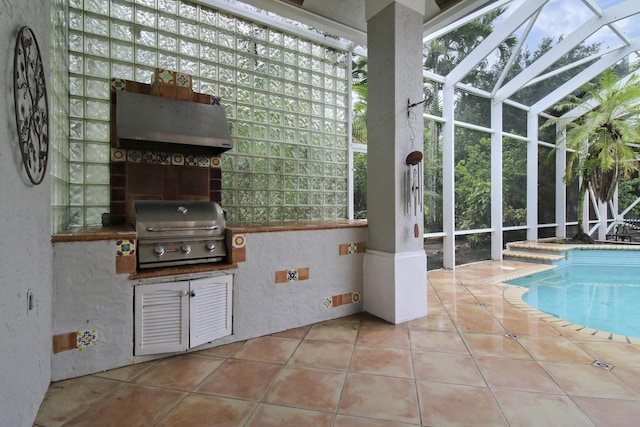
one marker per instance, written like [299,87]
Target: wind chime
[413,185]
[414,177]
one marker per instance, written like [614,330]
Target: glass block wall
[286,99]
[59,117]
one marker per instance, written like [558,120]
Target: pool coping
[514,295]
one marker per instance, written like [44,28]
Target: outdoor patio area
[475,360]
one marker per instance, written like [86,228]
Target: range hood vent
[148,122]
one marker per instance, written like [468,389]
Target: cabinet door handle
[192,293]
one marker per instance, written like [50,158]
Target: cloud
[561,17]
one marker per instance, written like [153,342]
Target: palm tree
[359,87]
[604,140]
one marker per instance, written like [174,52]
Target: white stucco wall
[264,307]
[89,295]
[25,245]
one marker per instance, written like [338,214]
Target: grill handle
[164,229]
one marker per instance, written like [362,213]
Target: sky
[560,17]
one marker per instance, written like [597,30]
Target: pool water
[599,297]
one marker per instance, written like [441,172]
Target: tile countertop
[86,234]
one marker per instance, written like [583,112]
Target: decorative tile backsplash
[338,300]
[86,338]
[352,248]
[162,158]
[292,275]
[126,247]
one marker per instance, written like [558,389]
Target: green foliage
[473,183]
[628,192]
[360,185]
[609,130]
[360,91]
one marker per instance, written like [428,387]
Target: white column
[496,180]
[448,178]
[532,176]
[603,214]
[395,264]
[561,188]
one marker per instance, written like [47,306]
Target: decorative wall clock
[31,104]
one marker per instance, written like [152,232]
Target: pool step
[538,247]
[531,256]
[536,252]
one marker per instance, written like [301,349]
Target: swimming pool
[602,297]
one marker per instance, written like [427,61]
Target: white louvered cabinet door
[161,318]
[210,309]
[176,316]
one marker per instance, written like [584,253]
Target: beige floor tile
[610,413]
[267,349]
[540,410]
[384,336]
[446,367]
[494,346]
[394,362]
[297,333]
[615,353]
[131,405]
[434,321]
[354,319]
[127,373]
[554,349]
[458,405]
[435,307]
[516,374]
[180,372]
[306,388]
[243,379]
[379,397]
[493,298]
[474,319]
[66,399]
[322,355]
[348,421]
[333,332]
[446,285]
[279,416]
[461,297]
[530,328]
[204,411]
[589,381]
[225,350]
[369,320]
[630,376]
[437,341]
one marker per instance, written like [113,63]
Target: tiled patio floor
[455,367]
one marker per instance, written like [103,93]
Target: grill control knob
[210,246]
[158,250]
[185,248]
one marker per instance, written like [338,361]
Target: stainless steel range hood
[147,122]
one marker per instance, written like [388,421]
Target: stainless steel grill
[172,233]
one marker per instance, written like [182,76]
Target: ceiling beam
[296,13]
[489,44]
[613,14]
[585,76]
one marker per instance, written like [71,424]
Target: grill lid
[163,218]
